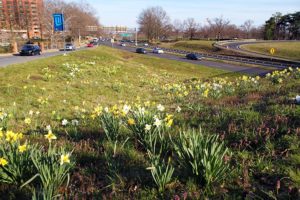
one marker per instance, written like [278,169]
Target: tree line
[155,24]
[282,27]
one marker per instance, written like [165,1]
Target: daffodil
[131,122]
[157,122]
[169,123]
[50,136]
[148,127]
[3,162]
[22,148]
[64,158]
[160,108]
[27,120]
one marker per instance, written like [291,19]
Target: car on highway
[70,47]
[141,50]
[146,44]
[123,44]
[192,56]
[30,50]
[157,50]
[90,44]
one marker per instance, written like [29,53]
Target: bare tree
[218,25]
[154,23]
[247,26]
[178,28]
[191,27]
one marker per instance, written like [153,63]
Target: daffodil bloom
[50,136]
[148,127]
[27,120]
[131,121]
[3,162]
[157,122]
[205,93]
[64,158]
[125,109]
[11,136]
[169,123]
[160,108]
[22,148]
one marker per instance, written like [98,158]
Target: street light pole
[135,36]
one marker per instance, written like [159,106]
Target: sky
[125,12]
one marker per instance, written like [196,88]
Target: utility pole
[136,37]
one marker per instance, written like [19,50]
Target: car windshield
[27,47]
[69,45]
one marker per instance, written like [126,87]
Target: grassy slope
[198,45]
[116,75]
[290,50]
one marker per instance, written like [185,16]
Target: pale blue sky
[125,12]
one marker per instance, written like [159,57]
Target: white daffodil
[157,122]
[160,108]
[148,127]
[64,122]
[178,109]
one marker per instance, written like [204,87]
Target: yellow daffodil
[205,93]
[27,120]
[50,136]
[22,148]
[169,123]
[131,122]
[3,162]
[64,158]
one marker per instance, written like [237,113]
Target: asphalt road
[219,65]
[15,59]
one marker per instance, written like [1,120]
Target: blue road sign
[58,19]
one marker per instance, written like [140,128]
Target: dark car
[192,56]
[90,44]
[141,50]
[30,50]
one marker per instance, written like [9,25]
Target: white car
[123,44]
[146,44]
[157,50]
[70,47]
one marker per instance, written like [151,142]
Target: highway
[180,56]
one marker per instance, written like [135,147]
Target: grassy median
[289,50]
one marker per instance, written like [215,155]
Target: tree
[247,27]
[178,28]
[154,23]
[191,27]
[218,25]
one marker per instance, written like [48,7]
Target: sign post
[58,19]
[112,41]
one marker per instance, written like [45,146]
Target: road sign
[272,51]
[126,34]
[58,19]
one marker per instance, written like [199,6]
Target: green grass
[289,50]
[196,45]
[116,75]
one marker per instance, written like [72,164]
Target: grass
[196,45]
[289,50]
[115,75]
[247,148]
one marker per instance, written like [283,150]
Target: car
[123,44]
[90,44]
[30,50]
[192,56]
[70,47]
[157,50]
[141,50]
[146,44]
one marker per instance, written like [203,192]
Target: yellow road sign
[272,51]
